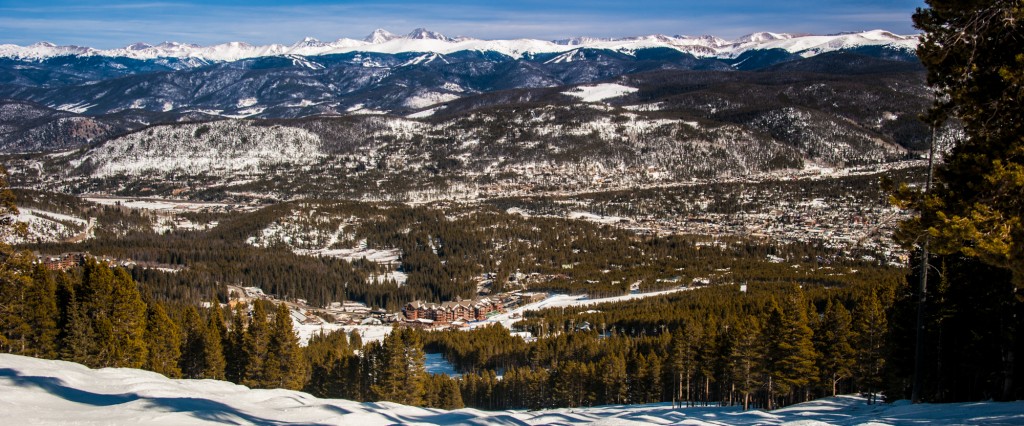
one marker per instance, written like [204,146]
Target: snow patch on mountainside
[600,92]
[42,392]
[44,226]
[226,146]
[425,99]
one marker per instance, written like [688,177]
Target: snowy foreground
[34,391]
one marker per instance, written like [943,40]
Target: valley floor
[34,391]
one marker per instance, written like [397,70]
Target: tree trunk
[689,400]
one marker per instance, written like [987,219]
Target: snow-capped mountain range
[423,40]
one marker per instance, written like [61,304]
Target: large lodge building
[449,312]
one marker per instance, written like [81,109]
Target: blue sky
[112,23]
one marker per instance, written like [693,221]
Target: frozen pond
[436,364]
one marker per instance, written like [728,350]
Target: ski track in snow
[44,392]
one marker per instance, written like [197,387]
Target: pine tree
[972,51]
[79,342]
[683,360]
[746,358]
[163,341]
[234,351]
[870,328]
[789,351]
[127,347]
[284,366]
[653,373]
[355,340]
[193,345]
[326,358]
[613,380]
[833,341]
[14,276]
[106,324]
[254,348]
[87,332]
[213,344]
[451,397]
[397,366]
[42,314]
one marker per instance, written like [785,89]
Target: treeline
[771,346]
[97,316]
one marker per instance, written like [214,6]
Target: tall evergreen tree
[13,280]
[80,342]
[397,366]
[213,344]
[789,351]
[285,366]
[972,51]
[107,322]
[234,350]
[746,357]
[614,380]
[254,348]
[163,341]
[128,315]
[193,345]
[870,330]
[683,359]
[15,268]
[42,314]
[833,340]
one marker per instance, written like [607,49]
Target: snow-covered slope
[234,146]
[422,40]
[38,392]
[44,226]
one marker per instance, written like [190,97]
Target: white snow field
[43,392]
[600,92]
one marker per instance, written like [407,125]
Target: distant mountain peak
[379,35]
[425,34]
[763,36]
[579,41]
[308,42]
[138,46]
